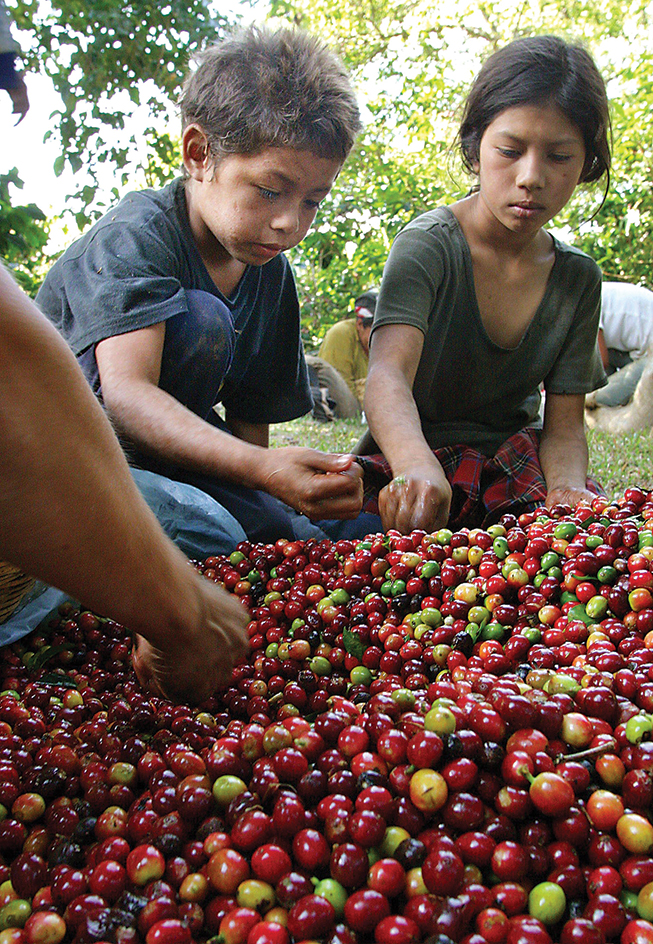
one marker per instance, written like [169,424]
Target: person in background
[346,346]
[10,78]
[181,300]
[72,515]
[625,341]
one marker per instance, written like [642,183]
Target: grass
[616,461]
[339,436]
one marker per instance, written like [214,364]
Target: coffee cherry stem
[610,745]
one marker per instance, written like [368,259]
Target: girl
[480,304]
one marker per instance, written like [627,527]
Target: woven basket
[14,584]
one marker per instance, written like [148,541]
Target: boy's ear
[195,151]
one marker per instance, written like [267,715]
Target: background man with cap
[346,347]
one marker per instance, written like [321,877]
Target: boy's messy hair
[541,70]
[260,88]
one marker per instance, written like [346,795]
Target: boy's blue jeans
[197,354]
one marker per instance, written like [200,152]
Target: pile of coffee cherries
[442,738]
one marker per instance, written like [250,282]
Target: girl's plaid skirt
[483,487]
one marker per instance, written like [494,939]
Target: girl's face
[530,159]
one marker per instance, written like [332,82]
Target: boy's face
[251,207]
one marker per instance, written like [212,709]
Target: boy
[181,298]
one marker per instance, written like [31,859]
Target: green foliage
[344,254]
[621,236]
[412,63]
[23,234]
[107,60]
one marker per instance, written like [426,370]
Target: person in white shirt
[625,341]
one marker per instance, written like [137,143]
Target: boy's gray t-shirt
[131,270]
[468,390]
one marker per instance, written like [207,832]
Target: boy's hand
[420,498]
[316,484]
[197,663]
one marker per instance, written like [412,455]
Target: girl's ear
[195,151]
[472,157]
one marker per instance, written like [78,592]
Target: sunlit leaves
[22,233]
[412,63]
[107,59]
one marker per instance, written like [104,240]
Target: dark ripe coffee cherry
[50,782]
[85,831]
[492,755]
[463,642]
[401,603]
[82,808]
[65,852]
[452,747]
[410,853]
[131,905]
[169,844]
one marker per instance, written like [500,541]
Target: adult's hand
[420,498]
[198,661]
[317,484]
[20,99]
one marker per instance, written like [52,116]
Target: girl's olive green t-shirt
[469,390]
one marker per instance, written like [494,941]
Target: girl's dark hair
[541,70]
[260,88]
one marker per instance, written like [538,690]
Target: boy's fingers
[331,462]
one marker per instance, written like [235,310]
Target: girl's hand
[568,495]
[420,498]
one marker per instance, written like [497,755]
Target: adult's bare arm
[19,98]
[563,452]
[419,495]
[317,484]
[72,515]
